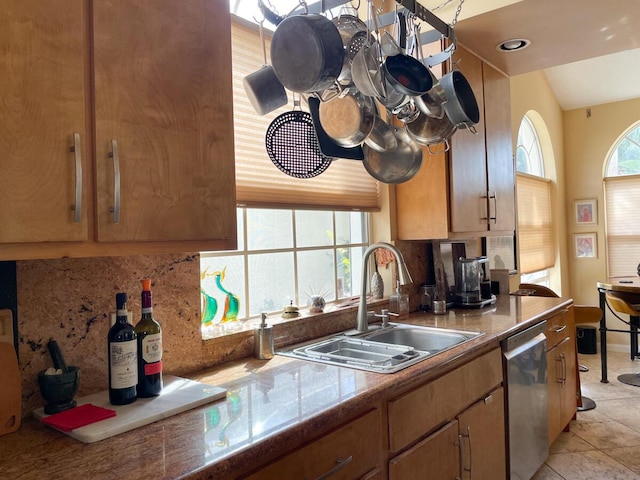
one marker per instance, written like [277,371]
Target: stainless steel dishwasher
[525,368]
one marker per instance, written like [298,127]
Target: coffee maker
[473,282]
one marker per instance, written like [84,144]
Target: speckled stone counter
[270,408]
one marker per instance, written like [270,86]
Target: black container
[586,337]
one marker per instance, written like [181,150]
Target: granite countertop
[270,406]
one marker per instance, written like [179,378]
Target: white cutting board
[178,395]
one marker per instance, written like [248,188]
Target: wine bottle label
[153,368]
[152,348]
[124,364]
[147,309]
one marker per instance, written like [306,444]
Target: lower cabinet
[453,427]
[562,372]
[353,451]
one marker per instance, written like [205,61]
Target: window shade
[622,202]
[345,185]
[535,226]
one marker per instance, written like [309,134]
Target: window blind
[535,226]
[622,202]
[345,185]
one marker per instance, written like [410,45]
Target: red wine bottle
[149,347]
[123,356]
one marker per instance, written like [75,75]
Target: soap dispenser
[263,340]
[399,302]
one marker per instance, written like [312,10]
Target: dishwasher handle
[517,340]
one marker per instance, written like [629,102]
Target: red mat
[78,417]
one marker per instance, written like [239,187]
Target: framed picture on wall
[585,212]
[585,245]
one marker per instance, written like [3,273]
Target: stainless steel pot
[428,130]
[461,106]
[307,53]
[394,166]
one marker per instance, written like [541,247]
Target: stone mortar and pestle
[60,384]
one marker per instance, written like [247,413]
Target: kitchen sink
[421,338]
[384,350]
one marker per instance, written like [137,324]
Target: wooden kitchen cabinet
[422,209]
[441,425]
[471,188]
[353,451]
[562,372]
[481,166]
[482,436]
[147,88]
[43,100]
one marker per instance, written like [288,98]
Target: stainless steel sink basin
[421,338]
[386,350]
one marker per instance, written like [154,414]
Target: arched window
[535,232]
[622,198]
[528,153]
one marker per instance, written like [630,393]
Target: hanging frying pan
[292,145]
[404,73]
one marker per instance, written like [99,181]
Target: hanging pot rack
[441,29]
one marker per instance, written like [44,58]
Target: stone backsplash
[70,300]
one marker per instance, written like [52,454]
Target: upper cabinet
[481,166]
[469,191]
[119,128]
[43,130]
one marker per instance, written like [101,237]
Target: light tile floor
[603,443]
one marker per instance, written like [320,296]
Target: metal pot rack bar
[442,28]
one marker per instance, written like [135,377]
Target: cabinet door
[421,203]
[42,94]
[163,94]
[482,436]
[437,457]
[562,386]
[467,160]
[499,149]
[352,451]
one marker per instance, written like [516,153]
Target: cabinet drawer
[559,327]
[420,411]
[357,446]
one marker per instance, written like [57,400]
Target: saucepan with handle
[263,89]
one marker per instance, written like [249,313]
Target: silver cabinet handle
[77,154]
[489,217]
[116,182]
[494,195]
[561,379]
[559,329]
[340,464]
[462,467]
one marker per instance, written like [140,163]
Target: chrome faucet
[404,277]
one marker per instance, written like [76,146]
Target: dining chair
[628,303]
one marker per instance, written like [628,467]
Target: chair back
[621,302]
[539,290]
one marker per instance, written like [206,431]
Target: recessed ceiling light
[513,44]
